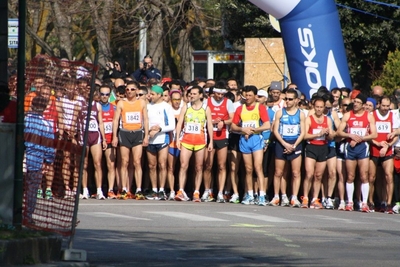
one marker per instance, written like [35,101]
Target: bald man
[377,90]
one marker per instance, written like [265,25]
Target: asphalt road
[159,233]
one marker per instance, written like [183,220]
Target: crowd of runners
[207,140]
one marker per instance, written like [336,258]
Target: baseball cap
[276,86]
[262,93]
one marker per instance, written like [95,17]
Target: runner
[161,123]
[251,119]
[289,131]
[318,130]
[360,130]
[173,151]
[382,155]
[196,117]
[108,110]
[131,136]
[222,111]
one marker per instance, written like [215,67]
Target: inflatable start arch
[313,42]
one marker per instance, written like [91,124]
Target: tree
[390,77]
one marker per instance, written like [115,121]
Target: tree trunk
[62,25]
[155,38]
[102,16]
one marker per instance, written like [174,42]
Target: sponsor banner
[313,42]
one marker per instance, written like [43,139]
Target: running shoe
[130,195]
[196,197]
[85,195]
[139,196]
[226,197]
[255,196]
[207,197]
[304,202]
[69,194]
[329,204]
[262,201]
[100,196]
[234,199]
[171,195]
[111,195]
[389,209]
[371,207]
[285,202]
[162,195]
[48,194]
[274,202]
[383,207]
[316,204]
[39,193]
[364,207]
[295,203]
[180,196]
[342,205]
[124,195]
[248,200]
[220,198]
[349,206]
[152,195]
[396,208]
[323,202]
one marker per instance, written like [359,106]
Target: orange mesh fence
[56,101]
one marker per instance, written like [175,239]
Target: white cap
[262,93]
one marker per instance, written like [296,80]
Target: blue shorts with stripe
[360,151]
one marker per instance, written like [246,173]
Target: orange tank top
[132,115]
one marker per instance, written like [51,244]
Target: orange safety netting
[56,101]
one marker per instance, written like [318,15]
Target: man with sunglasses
[131,136]
[222,111]
[289,131]
[108,110]
[361,129]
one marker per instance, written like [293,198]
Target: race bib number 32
[290,130]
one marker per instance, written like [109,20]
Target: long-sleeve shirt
[161,114]
[39,141]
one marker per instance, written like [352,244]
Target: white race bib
[290,130]
[358,131]
[108,127]
[93,126]
[193,128]
[383,127]
[249,124]
[317,131]
[133,117]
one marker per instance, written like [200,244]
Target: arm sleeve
[236,116]
[263,113]
[171,120]
[230,106]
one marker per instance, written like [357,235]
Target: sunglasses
[140,94]
[288,99]
[102,94]
[177,99]
[130,89]
[345,105]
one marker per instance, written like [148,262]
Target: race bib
[133,117]
[358,131]
[290,130]
[383,127]
[108,127]
[193,128]
[93,126]
[215,127]
[249,124]
[317,131]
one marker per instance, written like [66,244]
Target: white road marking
[260,217]
[112,215]
[187,216]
